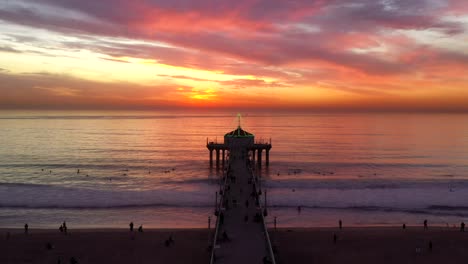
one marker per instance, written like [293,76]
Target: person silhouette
[131,226]
[462,227]
[140,229]
[26,228]
[340,223]
[425,224]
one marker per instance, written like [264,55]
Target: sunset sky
[396,55]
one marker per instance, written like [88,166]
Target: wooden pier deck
[241,235]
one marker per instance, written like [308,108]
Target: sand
[104,246]
[371,245]
[314,245]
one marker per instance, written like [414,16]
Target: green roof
[239,132]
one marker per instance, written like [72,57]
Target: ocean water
[152,168]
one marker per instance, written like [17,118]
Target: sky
[323,55]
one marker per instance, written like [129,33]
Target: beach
[104,246]
[299,245]
[371,245]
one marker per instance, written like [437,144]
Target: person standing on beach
[64,226]
[425,224]
[462,227]
[131,226]
[26,228]
[340,223]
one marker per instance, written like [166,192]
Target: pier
[240,234]
[252,148]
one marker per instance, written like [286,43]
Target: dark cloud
[235,83]
[9,49]
[50,91]
[249,31]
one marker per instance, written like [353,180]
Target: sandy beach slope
[104,246]
[313,245]
[372,245]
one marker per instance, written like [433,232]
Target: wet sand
[313,245]
[371,245]
[104,246]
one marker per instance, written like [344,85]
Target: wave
[353,184]
[19,195]
[403,197]
[459,211]
[448,208]
[100,207]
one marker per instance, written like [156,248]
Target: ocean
[105,169]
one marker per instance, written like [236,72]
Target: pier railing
[265,228]
[218,209]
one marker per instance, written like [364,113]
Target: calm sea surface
[152,168]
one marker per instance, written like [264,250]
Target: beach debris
[225,236]
[49,246]
[266,260]
[169,241]
[73,260]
